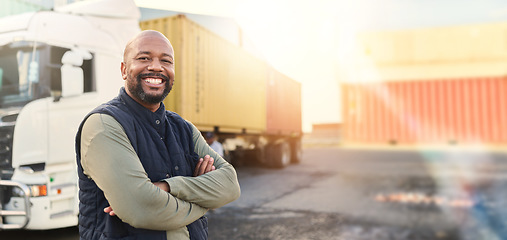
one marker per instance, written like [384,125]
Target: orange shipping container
[283,105]
[447,111]
[444,85]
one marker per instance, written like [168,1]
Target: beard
[135,87]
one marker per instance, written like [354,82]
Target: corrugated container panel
[169,27]
[454,52]
[283,104]
[433,86]
[443,111]
[217,83]
[456,43]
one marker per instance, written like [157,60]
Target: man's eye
[143,58]
[167,61]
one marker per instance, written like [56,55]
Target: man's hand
[163,185]
[109,210]
[204,166]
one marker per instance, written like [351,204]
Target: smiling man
[148,70]
[149,165]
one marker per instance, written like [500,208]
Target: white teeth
[153,80]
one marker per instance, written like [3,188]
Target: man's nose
[155,65]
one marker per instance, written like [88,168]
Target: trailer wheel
[236,157]
[255,155]
[228,156]
[296,151]
[281,157]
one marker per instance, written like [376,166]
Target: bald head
[144,37]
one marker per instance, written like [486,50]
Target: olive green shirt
[108,158]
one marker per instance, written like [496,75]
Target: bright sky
[309,39]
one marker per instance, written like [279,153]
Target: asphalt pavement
[361,194]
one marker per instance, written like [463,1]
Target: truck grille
[6,170]
[6,133]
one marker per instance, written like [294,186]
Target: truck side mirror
[72,74]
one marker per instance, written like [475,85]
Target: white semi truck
[55,66]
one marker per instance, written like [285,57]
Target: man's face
[148,69]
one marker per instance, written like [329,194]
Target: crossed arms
[109,159]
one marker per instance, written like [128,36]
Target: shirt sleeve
[211,190]
[109,159]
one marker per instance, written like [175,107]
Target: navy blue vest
[164,131]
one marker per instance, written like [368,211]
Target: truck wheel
[228,156]
[236,157]
[281,157]
[254,156]
[296,151]
[259,155]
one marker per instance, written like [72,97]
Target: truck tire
[296,151]
[236,157]
[228,156]
[255,155]
[281,155]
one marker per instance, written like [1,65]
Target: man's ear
[123,71]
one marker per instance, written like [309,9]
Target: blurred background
[332,46]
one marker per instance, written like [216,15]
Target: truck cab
[55,67]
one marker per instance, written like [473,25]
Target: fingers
[110,211]
[204,166]
[198,168]
[210,164]
[163,185]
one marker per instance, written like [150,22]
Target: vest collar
[155,119]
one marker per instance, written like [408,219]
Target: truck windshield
[19,76]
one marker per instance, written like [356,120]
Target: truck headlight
[17,192]
[38,190]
